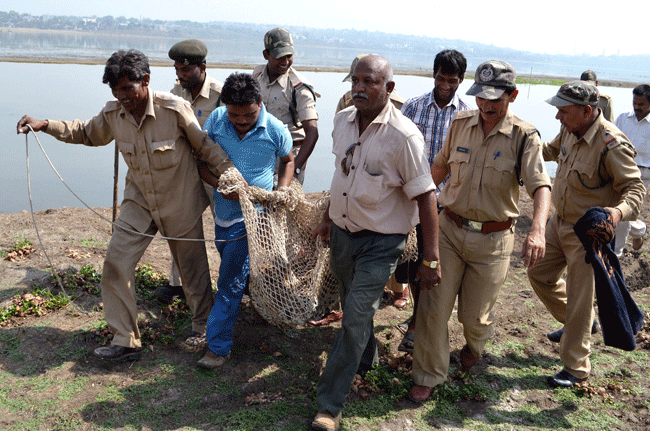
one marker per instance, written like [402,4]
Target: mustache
[360,95]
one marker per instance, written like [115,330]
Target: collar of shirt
[382,118]
[281,80]
[631,114]
[261,124]
[453,102]
[205,89]
[148,111]
[505,126]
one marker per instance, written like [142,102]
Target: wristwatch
[297,171]
[433,265]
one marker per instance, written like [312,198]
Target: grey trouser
[361,263]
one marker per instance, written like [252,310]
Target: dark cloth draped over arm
[620,317]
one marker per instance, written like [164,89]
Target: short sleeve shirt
[205,102]
[584,178]
[278,96]
[388,170]
[483,184]
[639,134]
[253,155]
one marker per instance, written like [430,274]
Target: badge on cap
[487,74]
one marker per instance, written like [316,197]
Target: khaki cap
[279,42]
[189,51]
[492,79]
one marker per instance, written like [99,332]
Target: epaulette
[216,86]
[298,80]
[464,114]
[112,105]
[169,100]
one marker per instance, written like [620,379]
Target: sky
[550,26]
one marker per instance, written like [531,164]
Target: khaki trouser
[118,280]
[175,273]
[570,301]
[474,267]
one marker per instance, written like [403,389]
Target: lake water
[69,91]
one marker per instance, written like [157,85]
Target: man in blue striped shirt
[432,112]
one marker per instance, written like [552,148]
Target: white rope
[31,208]
[126,229]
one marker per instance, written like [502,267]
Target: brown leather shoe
[403,299]
[419,394]
[467,359]
[326,422]
[334,316]
[637,243]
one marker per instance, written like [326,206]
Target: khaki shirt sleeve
[204,148]
[533,169]
[626,178]
[305,104]
[551,150]
[94,132]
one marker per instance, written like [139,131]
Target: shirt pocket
[164,154]
[583,176]
[458,167]
[369,189]
[499,172]
[129,154]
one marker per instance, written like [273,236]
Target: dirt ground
[76,237]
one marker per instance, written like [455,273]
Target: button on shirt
[277,97]
[162,179]
[205,102]
[387,172]
[254,155]
[580,173]
[639,134]
[483,182]
[432,120]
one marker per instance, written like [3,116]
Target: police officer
[595,168]
[288,96]
[486,152]
[203,93]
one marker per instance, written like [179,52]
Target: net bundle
[290,279]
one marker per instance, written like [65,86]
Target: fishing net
[290,279]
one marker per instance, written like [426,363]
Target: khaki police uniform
[205,102]
[483,187]
[163,192]
[278,96]
[605,105]
[584,179]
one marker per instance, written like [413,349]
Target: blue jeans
[233,276]
[361,263]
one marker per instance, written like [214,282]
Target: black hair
[450,62]
[241,89]
[642,90]
[132,64]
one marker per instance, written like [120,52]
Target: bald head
[379,65]
[372,83]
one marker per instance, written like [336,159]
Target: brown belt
[477,226]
